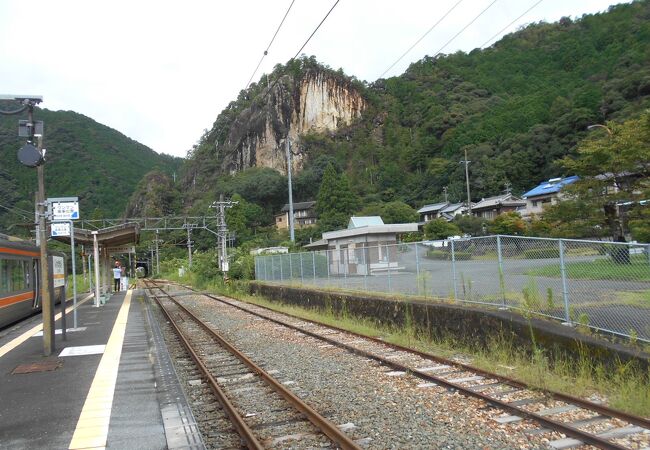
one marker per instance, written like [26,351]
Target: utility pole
[222,230]
[48,309]
[444,190]
[291,229]
[469,199]
[157,257]
[189,244]
[31,156]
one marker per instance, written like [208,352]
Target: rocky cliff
[315,101]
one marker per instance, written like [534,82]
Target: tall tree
[335,202]
[615,178]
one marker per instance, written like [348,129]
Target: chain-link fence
[601,285]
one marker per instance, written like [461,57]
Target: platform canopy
[127,233]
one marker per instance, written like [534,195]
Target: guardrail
[595,284]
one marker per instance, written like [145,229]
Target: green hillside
[517,107]
[84,158]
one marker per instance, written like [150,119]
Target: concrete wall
[469,325]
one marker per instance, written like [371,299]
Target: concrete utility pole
[444,190]
[222,230]
[291,229]
[48,307]
[469,199]
[157,257]
[189,244]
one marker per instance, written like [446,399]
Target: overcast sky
[161,71]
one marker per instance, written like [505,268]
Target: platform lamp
[34,156]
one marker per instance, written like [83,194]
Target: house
[304,215]
[367,246]
[431,212]
[452,210]
[545,194]
[489,208]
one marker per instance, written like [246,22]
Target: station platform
[111,384]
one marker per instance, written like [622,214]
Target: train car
[19,261]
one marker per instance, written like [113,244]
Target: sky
[161,71]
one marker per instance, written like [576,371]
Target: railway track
[581,421]
[264,413]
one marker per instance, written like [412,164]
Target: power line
[15,211]
[511,23]
[304,45]
[464,28]
[422,37]
[266,52]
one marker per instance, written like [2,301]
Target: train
[19,280]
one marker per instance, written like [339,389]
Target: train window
[13,275]
[4,276]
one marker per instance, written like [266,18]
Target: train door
[35,279]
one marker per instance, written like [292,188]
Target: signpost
[63,210]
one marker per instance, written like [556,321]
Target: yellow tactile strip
[9,346]
[92,426]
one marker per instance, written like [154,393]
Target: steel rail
[576,433]
[586,404]
[244,431]
[327,427]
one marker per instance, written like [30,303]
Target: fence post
[290,267]
[272,268]
[313,265]
[417,271]
[327,257]
[565,291]
[346,265]
[647,253]
[281,271]
[453,268]
[501,282]
[366,268]
[302,276]
[388,259]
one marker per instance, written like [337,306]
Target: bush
[541,253]
[445,255]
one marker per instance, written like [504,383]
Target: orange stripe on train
[14,251]
[16,299]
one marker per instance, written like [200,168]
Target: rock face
[318,102]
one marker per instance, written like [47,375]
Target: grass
[625,387]
[599,269]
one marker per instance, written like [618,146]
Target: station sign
[58,271]
[63,208]
[60,229]
[120,250]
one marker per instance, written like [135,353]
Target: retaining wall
[471,326]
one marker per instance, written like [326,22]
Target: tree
[440,229]
[335,202]
[392,212]
[508,223]
[614,167]
[471,225]
[243,218]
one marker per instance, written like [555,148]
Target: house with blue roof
[546,194]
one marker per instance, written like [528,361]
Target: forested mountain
[517,107]
[84,158]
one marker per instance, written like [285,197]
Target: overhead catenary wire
[510,24]
[304,45]
[420,39]
[16,211]
[268,47]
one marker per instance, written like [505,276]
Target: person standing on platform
[124,281]
[117,274]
